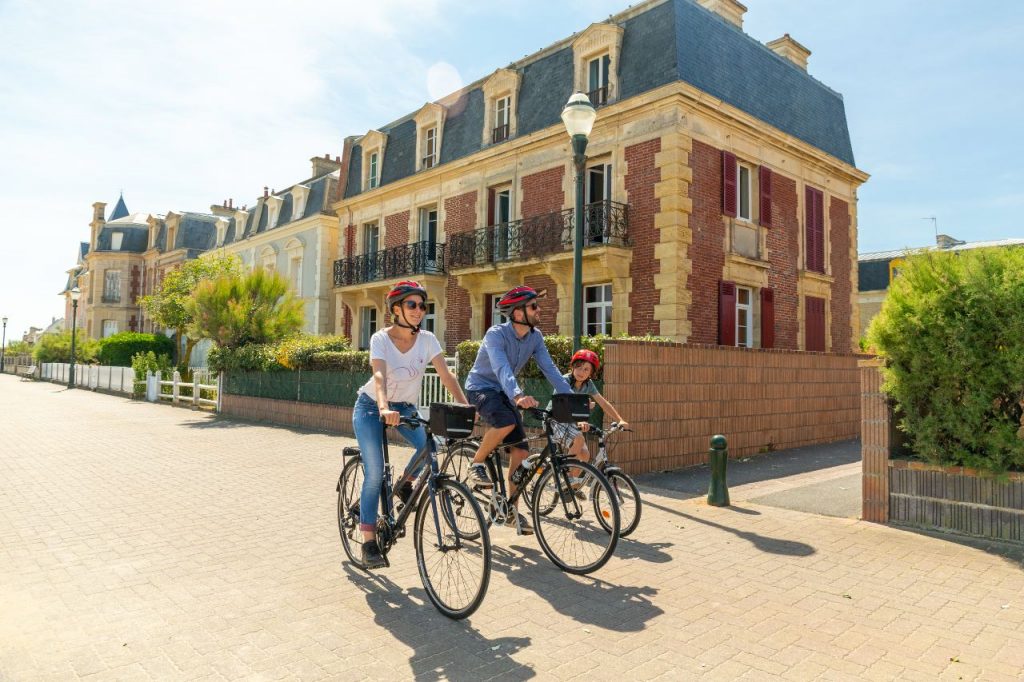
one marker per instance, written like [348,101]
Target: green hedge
[299,352]
[57,348]
[296,352]
[319,387]
[951,332]
[560,348]
[118,350]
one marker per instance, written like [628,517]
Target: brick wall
[329,418]
[396,230]
[459,218]
[542,192]
[641,176]
[350,241]
[707,249]
[549,305]
[839,219]
[784,254]
[347,324]
[874,443]
[676,396]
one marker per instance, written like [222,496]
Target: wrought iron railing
[110,298]
[605,222]
[499,133]
[428,161]
[418,258]
[598,96]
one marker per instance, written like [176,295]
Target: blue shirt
[503,354]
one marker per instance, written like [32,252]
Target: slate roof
[873,268]
[120,210]
[316,202]
[674,41]
[135,239]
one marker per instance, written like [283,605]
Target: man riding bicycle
[492,387]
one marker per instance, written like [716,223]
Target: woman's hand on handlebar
[391,417]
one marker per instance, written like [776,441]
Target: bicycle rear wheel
[628,498]
[454,563]
[567,528]
[350,487]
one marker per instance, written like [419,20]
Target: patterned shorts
[564,434]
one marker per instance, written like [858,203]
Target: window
[115,240]
[295,274]
[367,326]
[491,314]
[598,191]
[502,118]
[109,328]
[743,189]
[268,259]
[814,230]
[814,324]
[112,286]
[499,210]
[744,318]
[371,244]
[597,80]
[429,319]
[429,147]
[427,255]
[373,175]
[597,309]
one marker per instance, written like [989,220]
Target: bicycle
[571,540]
[448,518]
[627,495]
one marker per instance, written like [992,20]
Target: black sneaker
[404,492]
[524,527]
[372,558]
[478,476]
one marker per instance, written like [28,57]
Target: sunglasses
[412,305]
[534,306]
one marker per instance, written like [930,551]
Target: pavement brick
[140,541]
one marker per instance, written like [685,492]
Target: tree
[168,306]
[237,310]
[57,348]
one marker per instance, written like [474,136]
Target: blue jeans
[369,431]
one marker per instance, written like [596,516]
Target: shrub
[147,362]
[261,357]
[951,332]
[118,349]
[356,361]
[57,348]
[295,353]
[559,346]
[238,310]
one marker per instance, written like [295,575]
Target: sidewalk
[140,541]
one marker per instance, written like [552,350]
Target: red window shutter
[764,183]
[814,324]
[729,184]
[814,230]
[490,206]
[726,313]
[488,307]
[767,318]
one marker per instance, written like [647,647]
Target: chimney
[224,210]
[265,191]
[324,165]
[787,48]
[231,203]
[944,241]
[98,221]
[730,10]
[345,161]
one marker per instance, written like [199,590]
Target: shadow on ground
[443,648]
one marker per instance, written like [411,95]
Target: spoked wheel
[453,550]
[456,465]
[350,487]
[568,528]
[628,498]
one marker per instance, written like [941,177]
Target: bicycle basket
[452,420]
[569,408]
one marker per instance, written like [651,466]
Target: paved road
[142,541]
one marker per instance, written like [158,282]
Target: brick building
[720,191]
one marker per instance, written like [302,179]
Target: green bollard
[718,491]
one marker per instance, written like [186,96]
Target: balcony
[428,161]
[110,298]
[598,96]
[605,223]
[499,134]
[418,258]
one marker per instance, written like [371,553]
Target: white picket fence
[202,391]
[97,377]
[432,390]
[155,383]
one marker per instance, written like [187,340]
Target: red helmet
[516,297]
[587,356]
[404,290]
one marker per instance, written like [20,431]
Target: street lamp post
[578,117]
[3,346]
[75,293]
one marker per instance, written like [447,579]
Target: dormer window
[430,147]
[373,172]
[299,195]
[373,145]
[500,93]
[222,229]
[273,210]
[596,55]
[115,240]
[429,129]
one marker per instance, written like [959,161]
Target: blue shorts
[497,410]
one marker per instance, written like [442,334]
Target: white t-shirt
[404,370]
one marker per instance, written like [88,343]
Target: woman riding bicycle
[399,355]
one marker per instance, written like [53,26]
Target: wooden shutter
[488,307]
[767,318]
[726,313]
[491,201]
[814,230]
[814,324]
[764,183]
[729,184]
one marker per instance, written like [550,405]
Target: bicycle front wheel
[453,549]
[628,498]
[568,529]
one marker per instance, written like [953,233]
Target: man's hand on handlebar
[525,402]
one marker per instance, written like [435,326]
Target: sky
[183,104]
